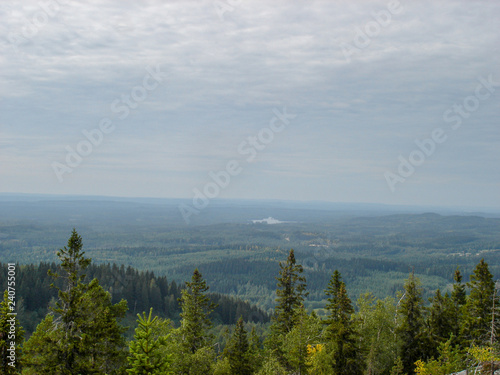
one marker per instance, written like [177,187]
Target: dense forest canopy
[82,331]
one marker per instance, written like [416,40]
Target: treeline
[141,290]
[82,332]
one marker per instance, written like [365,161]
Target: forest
[83,331]
[373,247]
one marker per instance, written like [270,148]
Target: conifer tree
[84,335]
[146,356]
[440,322]
[340,333]
[196,308]
[478,309]
[11,338]
[411,330]
[458,298]
[291,290]
[237,351]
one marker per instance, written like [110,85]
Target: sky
[394,102]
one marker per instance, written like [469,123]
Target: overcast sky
[179,86]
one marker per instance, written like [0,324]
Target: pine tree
[196,308]
[237,351]
[478,309]
[145,351]
[84,335]
[11,338]
[340,332]
[411,330]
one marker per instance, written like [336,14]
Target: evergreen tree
[255,351]
[478,309]
[237,351]
[340,332]
[196,308]
[411,330]
[11,338]
[291,290]
[458,297]
[458,294]
[145,351]
[84,336]
[440,321]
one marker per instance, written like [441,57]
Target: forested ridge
[141,289]
[82,332]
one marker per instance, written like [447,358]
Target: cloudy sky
[169,92]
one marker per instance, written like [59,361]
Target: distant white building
[269,220]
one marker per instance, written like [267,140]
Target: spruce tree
[83,334]
[440,322]
[196,308]
[11,338]
[146,356]
[237,351]
[478,309]
[340,332]
[291,290]
[458,298]
[411,330]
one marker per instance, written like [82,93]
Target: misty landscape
[236,187]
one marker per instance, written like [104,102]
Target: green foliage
[272,366]
[340,333]
[222,367]
[201,362]
[84,336]
[376,329]
[478,309]
[411,329]
[319,360]
[290,291]
[237,351]
[398,368]
[307,331]
[11,336]
[145,351]
[450,360]
[41,351]
[196,308]
[441,321]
